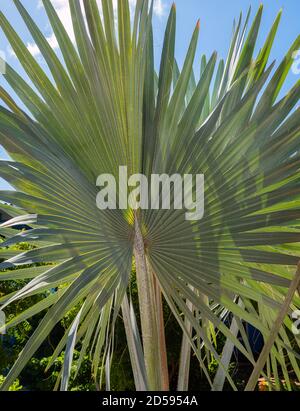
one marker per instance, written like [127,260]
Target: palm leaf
[103,107]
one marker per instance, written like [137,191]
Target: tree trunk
[151,317]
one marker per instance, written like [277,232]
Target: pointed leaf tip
[198,24]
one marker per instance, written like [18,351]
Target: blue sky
[216,18]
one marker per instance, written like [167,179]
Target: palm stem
[165,384]
[134,347]
[274,332]
[148,314]
[185,355]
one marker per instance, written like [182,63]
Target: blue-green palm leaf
[103,107]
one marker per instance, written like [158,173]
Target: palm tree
[104,106]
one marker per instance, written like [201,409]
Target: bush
[15,387]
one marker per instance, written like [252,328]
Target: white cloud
[63,11]
[52,41]
[33,48]
[10,51]
[159,8]
[35,51]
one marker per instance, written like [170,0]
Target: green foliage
[14,387]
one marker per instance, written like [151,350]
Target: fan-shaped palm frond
[103,107]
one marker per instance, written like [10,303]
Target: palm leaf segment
[105,107]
